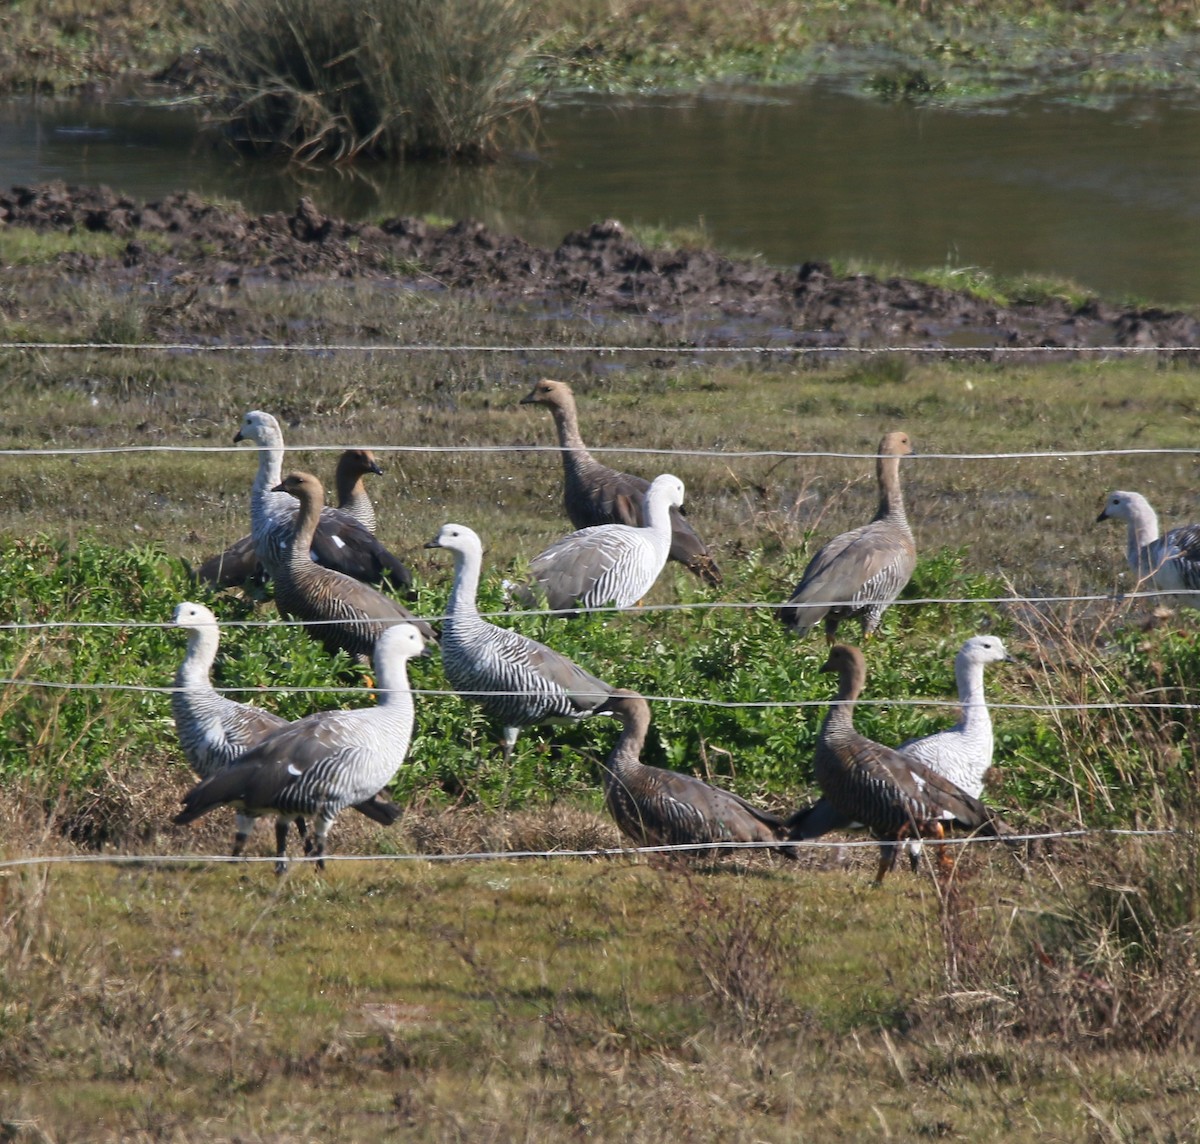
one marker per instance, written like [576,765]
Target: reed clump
[329,81]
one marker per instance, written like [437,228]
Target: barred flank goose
[517,681]
[595,494]
[1169,563]
[239,562]
[325,762]
[610,563]
[215,731]
[339,542]
[352,498]
[891,794]
[339,611]
[860,572]
[654,807]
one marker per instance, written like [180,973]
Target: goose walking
[215,731]
[239,562]
[340,542]
[655,807]
[325,762]
[861,572]
[517,681]
[1168,563]
[893,795]
[613,564]
[596,494]
[337,610]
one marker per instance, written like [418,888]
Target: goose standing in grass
[860,572]
[1168,563]
[613,564]
[517,681]
[655,807]
[893,795]
[963,753]
[325,762]
[595,494]
[239,562]
[215,731]
[340,542]
[337,610]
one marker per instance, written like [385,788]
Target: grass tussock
[328,81]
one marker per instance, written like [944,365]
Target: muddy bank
[184,239]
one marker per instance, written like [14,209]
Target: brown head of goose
[325,762]
[214,731]
[517,681]
[655,807]
[338,610]
[860,572]
[239,562]
[596,494]
[894,796]
[339,541]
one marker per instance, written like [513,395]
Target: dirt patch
[600,269]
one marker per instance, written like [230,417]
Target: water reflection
[1108,196]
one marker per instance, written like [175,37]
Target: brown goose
[654,807]
[595,494]
[860,572]
[239,562]
[893,795]
[338,610]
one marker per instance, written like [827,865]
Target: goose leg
[887,855]
[302,830]
[281,832]
[508,740]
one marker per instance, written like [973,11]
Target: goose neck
[463,593]
[197,663]
[891,497]
[969,676]
[1142,532]
[308,517]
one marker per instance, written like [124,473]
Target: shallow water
[1109,197]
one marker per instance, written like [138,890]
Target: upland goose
[517,681]
[239,562]
[337,610]
[860,572]
[893,795]
[595,494]
[215,731]
[352,498]
[655,807]
[963,753]
[1169,563]
[325,762]
[613,564]
[340,541]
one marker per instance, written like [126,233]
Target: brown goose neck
[635,724]
[566,421]
[307,518]
[891,497]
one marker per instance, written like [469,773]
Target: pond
[1107,196]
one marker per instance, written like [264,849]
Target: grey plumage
[215,731]
[891,794]
[860,572]
[517,681]
[1168,563]
[613,564]
[595,494]
[338,611]
[239,562]
[656,807]
[339,542]
[325,762]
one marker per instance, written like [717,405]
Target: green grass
[607,998]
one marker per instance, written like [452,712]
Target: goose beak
[239,438]
[1102,516]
